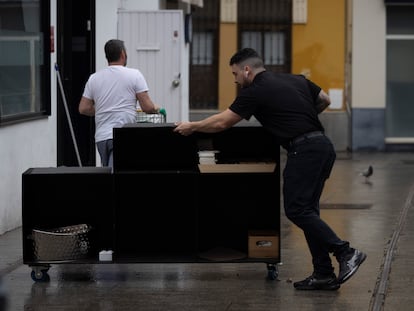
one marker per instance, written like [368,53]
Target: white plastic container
[105,255]
[207,157]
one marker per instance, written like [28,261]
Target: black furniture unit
[232,204]
[64,196]
[153,147]
[160,205]
[61,197]
[160,224]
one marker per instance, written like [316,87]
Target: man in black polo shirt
[287,105]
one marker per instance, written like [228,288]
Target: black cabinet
[159,205]
[232,204]
[156,214]
[66,196]
[153,147]
[199,209]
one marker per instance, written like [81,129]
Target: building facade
[360,52]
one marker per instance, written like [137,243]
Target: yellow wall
[318,47]
[228,46]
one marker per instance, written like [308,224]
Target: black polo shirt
[283,103]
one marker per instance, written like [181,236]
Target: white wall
[107,21]
[25,145]
[141,4]
[368,54]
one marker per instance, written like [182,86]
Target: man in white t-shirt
[111,96]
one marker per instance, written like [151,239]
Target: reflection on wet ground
[365,214]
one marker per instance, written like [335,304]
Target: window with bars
[265,25]
[203,48]
[269,44]
[204,54]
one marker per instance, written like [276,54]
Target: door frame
[76,61]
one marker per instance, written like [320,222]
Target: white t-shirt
[113,90]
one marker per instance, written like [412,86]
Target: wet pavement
[376,215]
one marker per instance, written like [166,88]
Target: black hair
[113,49]
[245,54]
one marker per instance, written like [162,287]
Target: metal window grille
[203,56]
[265,25]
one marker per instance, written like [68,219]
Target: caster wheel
[272,272]
[40,275]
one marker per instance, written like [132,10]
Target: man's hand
[184,128]
[215,123]
[163,112]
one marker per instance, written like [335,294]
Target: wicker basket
[61,244]
[143,117]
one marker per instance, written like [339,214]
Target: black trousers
[309,164]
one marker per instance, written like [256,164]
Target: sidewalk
[376,216]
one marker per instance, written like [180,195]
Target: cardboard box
[263,244]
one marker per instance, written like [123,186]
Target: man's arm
[322,102]
[212,124]
[146,103]
[86,107]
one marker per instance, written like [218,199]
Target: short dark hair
[245,54]
[113,49]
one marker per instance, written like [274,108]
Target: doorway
[76,61]
[400,75]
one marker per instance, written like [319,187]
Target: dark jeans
[309,164]
[105,149]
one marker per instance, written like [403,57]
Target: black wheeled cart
[159,204]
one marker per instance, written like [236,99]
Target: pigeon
[367,173]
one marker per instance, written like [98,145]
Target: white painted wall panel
[155,44]
[368,54]
[24,145]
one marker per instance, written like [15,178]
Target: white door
[154,41]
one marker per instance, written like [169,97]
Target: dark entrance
[76,61]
